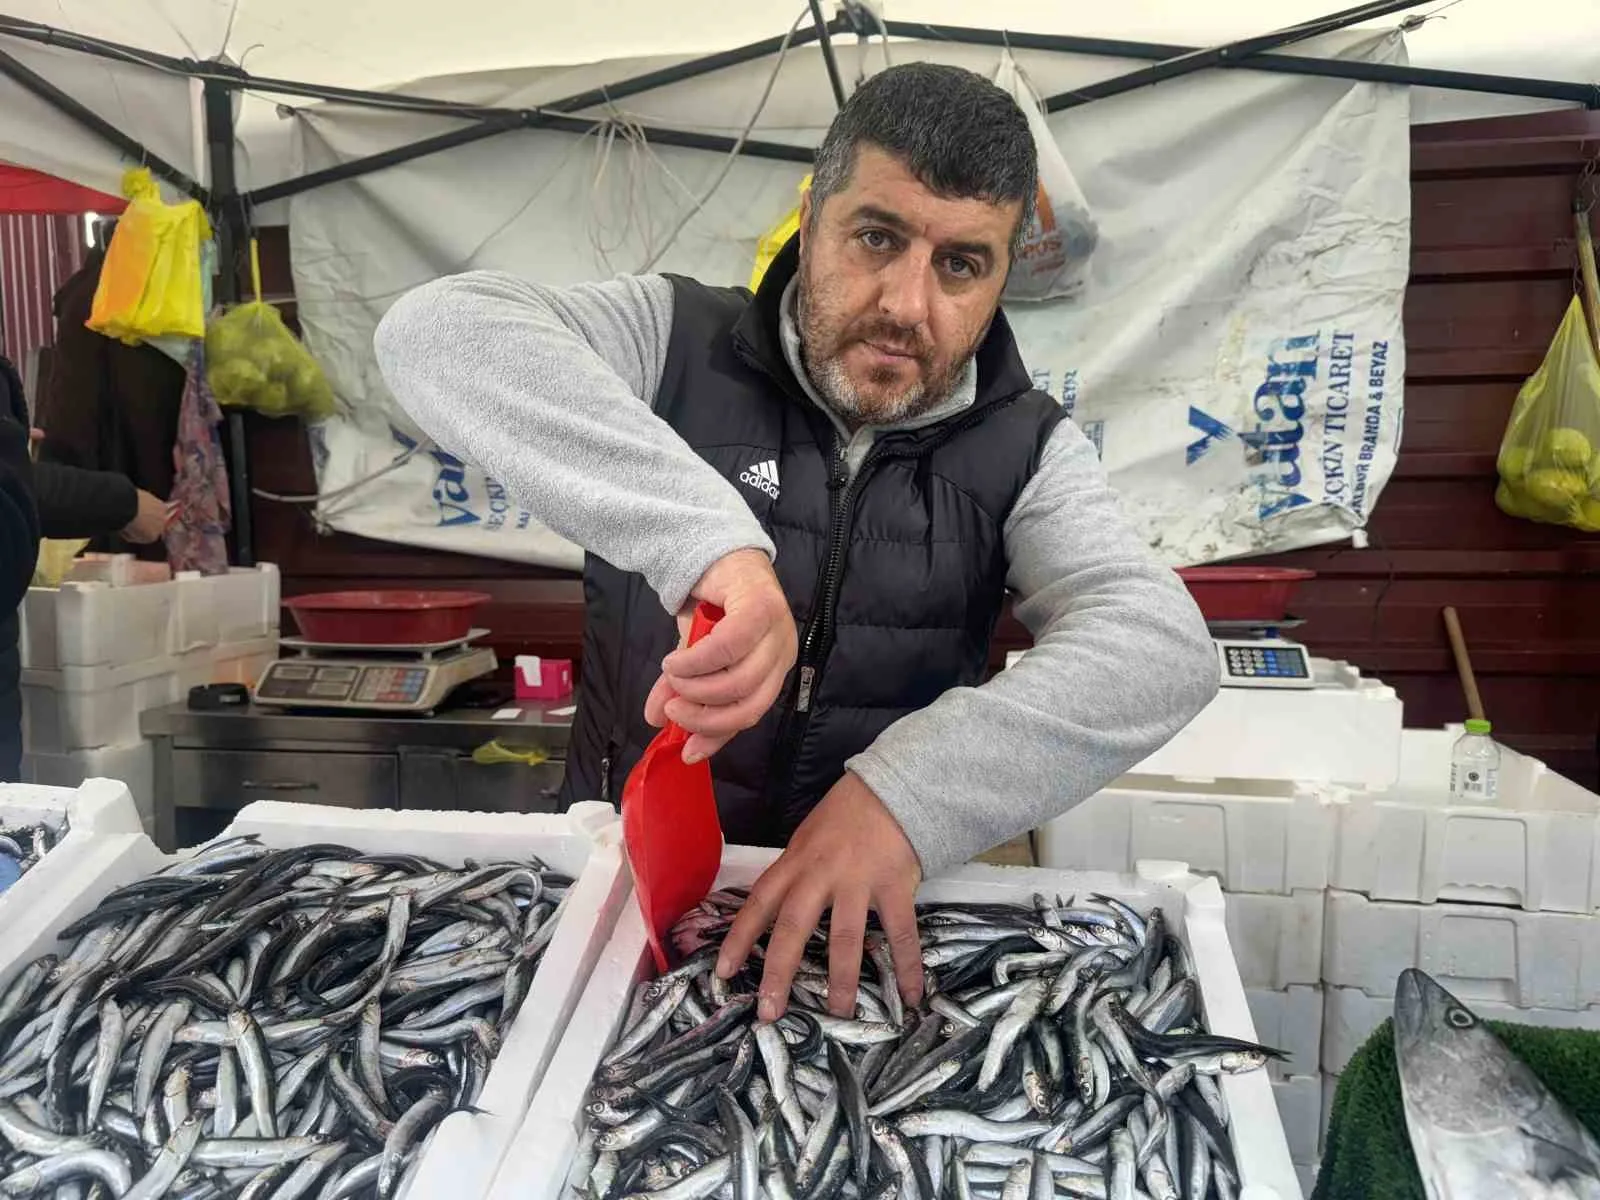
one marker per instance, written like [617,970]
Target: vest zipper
[818,637]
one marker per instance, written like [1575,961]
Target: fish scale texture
[1368,1154]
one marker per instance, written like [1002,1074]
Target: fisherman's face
[898,286]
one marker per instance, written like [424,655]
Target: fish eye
[1460,1018]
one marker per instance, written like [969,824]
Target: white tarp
[1237,352]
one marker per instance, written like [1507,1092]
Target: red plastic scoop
[670,824]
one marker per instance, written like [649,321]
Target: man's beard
[831,378]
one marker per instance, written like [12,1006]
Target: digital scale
[1253,655]
[366,678]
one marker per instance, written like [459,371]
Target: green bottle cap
[1477,725]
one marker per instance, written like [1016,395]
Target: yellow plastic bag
[150,285]
[776,238]
[1550,454]
[253,361]
[56,557]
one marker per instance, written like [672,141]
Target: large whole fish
[1059,1052]
[256,1023]
[1482,1125]
[22,846]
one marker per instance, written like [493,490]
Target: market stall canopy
[25,191]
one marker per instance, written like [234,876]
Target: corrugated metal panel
[37,255]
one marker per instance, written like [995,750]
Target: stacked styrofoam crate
[96,653]
[1276,767]
[1500,903]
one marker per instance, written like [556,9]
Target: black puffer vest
[896,579]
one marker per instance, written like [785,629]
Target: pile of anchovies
[1059,1052]
[263,1023]
[25,845]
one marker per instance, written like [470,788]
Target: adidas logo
[763,477]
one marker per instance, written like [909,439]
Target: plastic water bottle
[1475,766]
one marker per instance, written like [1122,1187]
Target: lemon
[1556,488]
[1568,448]
[1514,462]
[1594,477]
[1588,515]
[1510,501]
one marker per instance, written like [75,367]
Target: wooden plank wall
[1492,263]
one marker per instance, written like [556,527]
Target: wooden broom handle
[1469,681]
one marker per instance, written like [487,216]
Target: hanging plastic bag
[150,285]
[1053,260]
[253,361]
[776,238]
[1549,464]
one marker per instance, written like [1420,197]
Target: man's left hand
[849,854]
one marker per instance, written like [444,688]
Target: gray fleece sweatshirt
[551,391]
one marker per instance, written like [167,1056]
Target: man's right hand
[727,681]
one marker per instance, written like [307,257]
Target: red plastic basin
[385,617]
[1243,593]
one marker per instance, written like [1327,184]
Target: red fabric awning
[25,191]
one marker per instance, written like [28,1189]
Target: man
[855,451]
[19,551]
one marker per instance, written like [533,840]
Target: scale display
[1264,663]
[407,685]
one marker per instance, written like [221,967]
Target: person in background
[74,502]
[856,449]
[19,551]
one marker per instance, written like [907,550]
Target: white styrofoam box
[1254,835]
[1349,1016]
[101,809]
[1307,1173]
[1346,730]
[216,610]
[80,708]
[536,1165]
[1477,951]
[1291,1021]
[1330,1089]
[133,764]
[585,842]
[1538,847]
[101,624]
[1276,940]
[1299,1100]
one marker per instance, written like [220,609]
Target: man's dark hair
[959,134]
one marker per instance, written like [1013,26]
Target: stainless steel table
[221,761]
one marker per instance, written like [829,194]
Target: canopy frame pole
[1198,60]
[232,233]
[1567,91]
[835,81]
[73,108]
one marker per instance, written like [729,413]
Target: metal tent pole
[1284,64]
[821,27]
[1198,60]
[232,233]
[70,106]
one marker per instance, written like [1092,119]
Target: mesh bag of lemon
[1550,455]
[254,361]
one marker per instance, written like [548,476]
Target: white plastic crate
[1479,952]
[98,810]
[1538,848]
[1307,1174]
[1299,1100]
[536,1166]
[1349,1016]
[133,765]
[463,1152]
[1346,730]
[1276,940]
[81,708]
[95,623]
[1254,835]
[1291,1021]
